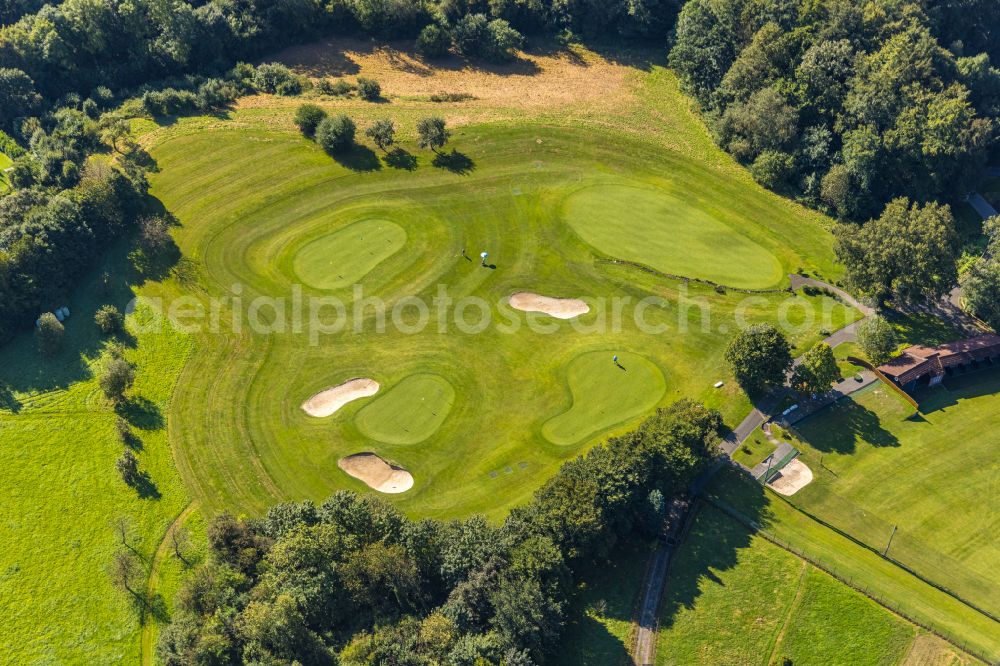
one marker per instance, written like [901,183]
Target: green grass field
[926,475]
[62,493]
[525,399]
[899,589]
[260,210]
[754,450]
[734,598]
[5,162]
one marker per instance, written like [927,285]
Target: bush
[434,41]
[275,78]
[308,117]
[431,133]
[501,40]
[369,89]
[451,97]
[336,88]
[772,169]
[335,133]
[169,102]
[50,334]
[109,319]
[116,379]
[216,94]
[470,33]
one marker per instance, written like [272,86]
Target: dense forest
[354,582]
[848,104]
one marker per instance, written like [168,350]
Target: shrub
[451,97]
[275,78]
[116,379]
[501,40]
[335,133]
[382,133]
[434,41]
[50,334]
[336,88]
[772,168]
[128,466]
[470,33]
[109,319]
[308,117]
[369,89]
[216,94]
[169,102]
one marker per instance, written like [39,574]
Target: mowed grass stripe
[344,257]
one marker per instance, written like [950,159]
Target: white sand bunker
[560,308]
[793,477]
[376,473]
[328,401]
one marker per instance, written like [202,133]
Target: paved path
[981,205]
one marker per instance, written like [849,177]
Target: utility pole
[886,551]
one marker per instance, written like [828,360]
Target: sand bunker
[793,477]
[328,401]
[376,473]
[560,308]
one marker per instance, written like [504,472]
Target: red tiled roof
[915,357]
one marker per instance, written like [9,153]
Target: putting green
[347,255]
[409,412]
[605,394]
[670,235]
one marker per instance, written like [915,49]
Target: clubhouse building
[928,366]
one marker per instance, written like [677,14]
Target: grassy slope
[238,416]
[864,567]
[926,474]
[5,162]
[61,491]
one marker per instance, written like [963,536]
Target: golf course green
[410,412]
[344,257]
[605,392]
[679,234]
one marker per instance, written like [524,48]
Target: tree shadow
[398,158]
[144,486]
[141,157]
[454,161]
[716,531]
[839,428]
[9,401]
[132,441]
[357,158]
[968,386]
[141,413]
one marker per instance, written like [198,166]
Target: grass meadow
[734,598]
[882,467]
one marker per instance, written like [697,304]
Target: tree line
[353,581]
[848,105]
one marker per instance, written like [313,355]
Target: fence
[885,380]
[892,605]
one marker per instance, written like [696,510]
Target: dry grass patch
[540,78]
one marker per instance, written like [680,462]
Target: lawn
[263,212]
[62,493]
[899,589]
[530,391]
[841,352]
[5,162]
[925,475]
[734,598]
[754,450]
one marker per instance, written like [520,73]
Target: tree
[877,339]
[308,117]
[155,235]
[335,134]
[109,319]
[276,79]
[50,333]
[431,133]
[128,575]
[433,41]
[981,290]
[180,540]
[908,253]
[117,377]
[501,41]
[382,132]
[369,89]
[760,357]
[19,96]
[772,169]
[128,466]
[817,371]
